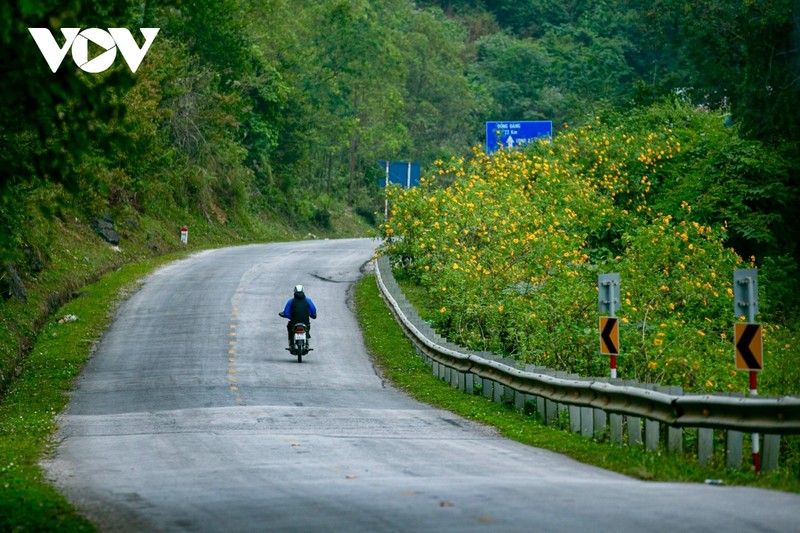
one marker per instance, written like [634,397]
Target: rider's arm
[312,308]
[287,311]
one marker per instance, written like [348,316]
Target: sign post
[386,198]
[747,336]
[608,298]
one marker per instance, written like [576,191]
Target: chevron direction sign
[749,346]
[609,335]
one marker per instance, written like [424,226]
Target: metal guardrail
[763,415]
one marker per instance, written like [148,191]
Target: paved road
[191,416]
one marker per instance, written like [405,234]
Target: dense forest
[249,111]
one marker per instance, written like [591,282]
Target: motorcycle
[299,345]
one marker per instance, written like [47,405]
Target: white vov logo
[79,42]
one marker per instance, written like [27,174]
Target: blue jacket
[312,309]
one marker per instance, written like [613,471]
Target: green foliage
[510,251]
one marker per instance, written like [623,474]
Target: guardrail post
[772,446]
[550,411]
[675,440]
[652,429]
[469,383]
[497,392]
[487,387]
[562,408]
[674,434]
[574,413]
[540,408]
[587,422]
[600,418]
[509,395]
[600,421]
[519,401]
[634,426]
[652,434]
[705,446]
[733,449]
[615,423]
[574,419]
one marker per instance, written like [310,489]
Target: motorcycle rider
[299,309]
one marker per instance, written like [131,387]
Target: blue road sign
[511,134]
[403,173]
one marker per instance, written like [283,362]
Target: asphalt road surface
[192,416]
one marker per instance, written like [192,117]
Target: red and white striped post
[756,450]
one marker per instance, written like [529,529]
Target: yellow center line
[232,343]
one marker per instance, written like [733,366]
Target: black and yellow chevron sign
[609,335]
[749,346]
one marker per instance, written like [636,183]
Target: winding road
[191,416]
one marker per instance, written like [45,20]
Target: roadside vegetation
[511,248]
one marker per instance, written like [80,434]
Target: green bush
[511,250]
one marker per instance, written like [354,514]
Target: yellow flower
[443,310]
[709,383]
[652,364]
[658,342]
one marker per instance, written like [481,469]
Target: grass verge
[399,362]
[30,406]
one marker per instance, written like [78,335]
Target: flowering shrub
[511,250]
